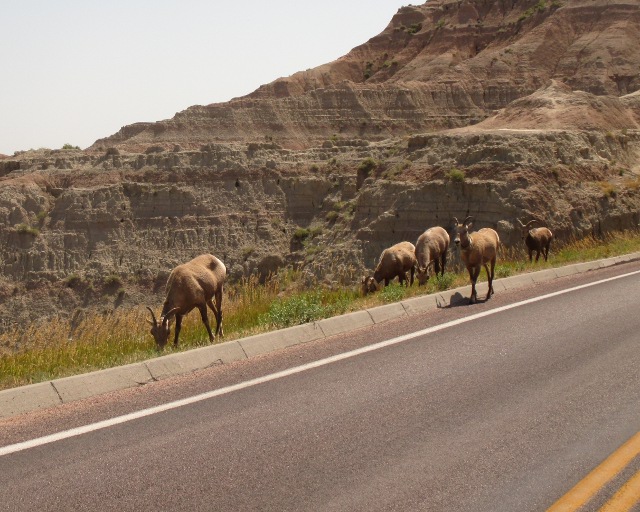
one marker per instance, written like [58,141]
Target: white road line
[25,445]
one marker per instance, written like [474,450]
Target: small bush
[25,229]
[368,165]
[301,234]
[456,175]
[113,281]
[331,216]
[414,28]
[72,280]
[69,146]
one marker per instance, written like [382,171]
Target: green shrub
[113,281]
[456,175]
[414,28]
[301,234]
[368,165]
[331,216]
[25,229]
[72,280]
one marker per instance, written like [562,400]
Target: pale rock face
[324,169]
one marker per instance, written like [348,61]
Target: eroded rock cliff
[497,109]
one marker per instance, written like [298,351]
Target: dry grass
[54,348]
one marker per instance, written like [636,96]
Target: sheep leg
[473,274]
[490,277]
[178,327]
[413,271]
[217,311]
[205,320]
[537,255]
[546,253]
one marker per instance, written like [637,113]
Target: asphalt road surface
[500,406]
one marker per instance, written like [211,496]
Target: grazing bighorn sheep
[431,253]
[477,249]
[191,285]
[536,239]
[395,261]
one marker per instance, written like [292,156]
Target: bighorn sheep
[536,239]
[191,285]
[477,249]
[431,253]
[394,261]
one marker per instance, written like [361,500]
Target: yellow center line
[584,490]
[627,496]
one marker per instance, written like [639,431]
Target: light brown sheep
[536,239]
[431,253]
[191,285]
[477,249]
[395,261]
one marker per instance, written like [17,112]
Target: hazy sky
[74,71]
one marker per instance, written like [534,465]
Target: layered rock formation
[499,109]
[445,64]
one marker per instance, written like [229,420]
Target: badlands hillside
[501,109]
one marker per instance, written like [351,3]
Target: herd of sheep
[197,283]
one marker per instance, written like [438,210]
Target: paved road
[505,412]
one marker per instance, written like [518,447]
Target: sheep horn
[166,316]
[469,218]
[155,322]
[530,222]
[455,219]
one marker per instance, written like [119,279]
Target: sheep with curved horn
[537,240]
[191,285]
[477,249]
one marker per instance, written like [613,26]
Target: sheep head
[160,330]
[369,285]
[524,228]
[424,273]
[462,231]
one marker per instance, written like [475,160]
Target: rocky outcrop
[500,109]
[72,222]
[444,64]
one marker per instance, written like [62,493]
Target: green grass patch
[59,347]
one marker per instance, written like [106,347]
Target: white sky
[74,71]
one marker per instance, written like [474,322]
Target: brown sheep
[477,249]
[395,261]
[536,239]
[431,253]
[191,285]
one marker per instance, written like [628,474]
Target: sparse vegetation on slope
[55,348]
